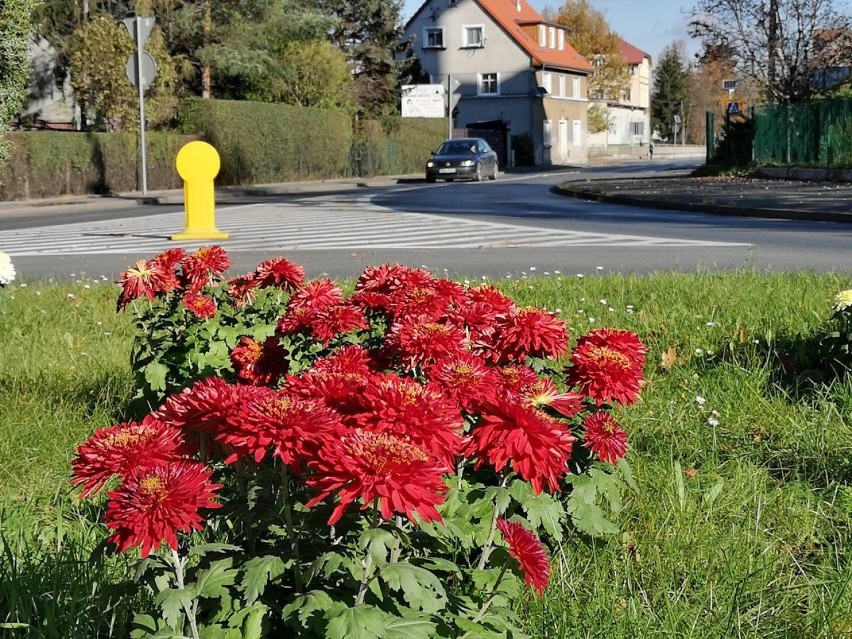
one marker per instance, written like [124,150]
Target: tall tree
[591,36]
[668,93]
[368,32]
[98,55]
[15,28]
[775,42]
[315,74]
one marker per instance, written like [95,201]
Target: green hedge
[258,143]
[52,163]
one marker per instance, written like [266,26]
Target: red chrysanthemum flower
[167,262]
[123,450]
[202,306]
[416,340]
[527,332]
[378,467]
[206,263]
[261,364]
[618,339]
[431,298]
[515,381]
[339,390]
[527,549]
[465,378]
[292,426]
[544,393]
[241,290]
[477,313]
[201,410]
[316,295]
[422,414]
[349,359]
[538,446]
[279,272]
[605,437]
[329,322]
[152,507]
[604,373]
[143,280]
[378,284]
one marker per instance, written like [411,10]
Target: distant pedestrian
[650,150]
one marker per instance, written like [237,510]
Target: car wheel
[430,179]
[448,179]
[478,176]
[493,175]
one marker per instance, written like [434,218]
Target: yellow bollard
[198,163]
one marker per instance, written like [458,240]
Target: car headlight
[430,164]
[467,163]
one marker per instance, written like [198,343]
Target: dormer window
[542,35]
[552,32]
[561,39]
[433,38]
[473,36]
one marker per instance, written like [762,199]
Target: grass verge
[742,454]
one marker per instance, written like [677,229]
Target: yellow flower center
[606,356]
[153,487]
[382,449]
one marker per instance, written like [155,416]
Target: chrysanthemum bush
[398,462]
[836,344]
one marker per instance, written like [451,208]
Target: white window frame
[576,127]
[552,33]
[561,39]
[562,85]
[427,31]
[547,133]
[466,28]
[576,87]
[547,82]
[479,79]
[542,35]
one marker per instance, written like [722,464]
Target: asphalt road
[517,225]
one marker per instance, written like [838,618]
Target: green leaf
[172,602]
[203,549]
[258,572]
[412,626]
[210,582]
[420,588]
[155,375]
[589,518]
[361,622]
[378,543]
[627,474]
[304,606]
[541,510]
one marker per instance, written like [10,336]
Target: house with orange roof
[629,115]
[515,80]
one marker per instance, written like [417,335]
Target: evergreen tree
[368,33]
[15,28]
[669,91]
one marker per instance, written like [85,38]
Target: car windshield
[457,148]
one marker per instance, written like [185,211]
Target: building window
[576,132]
[433,38]
[625,95]
[637,128]
[631,69]
[561,39]
[546,82]
[542,35]
[552,32]
[488,84]
[472,36]
[547,134]
[575,87]
[561,85]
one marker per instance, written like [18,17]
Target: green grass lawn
[740,526]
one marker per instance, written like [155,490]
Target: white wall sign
[423,101]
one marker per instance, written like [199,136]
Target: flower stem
[489,545]
[190,610]
[368,564]
[291,530]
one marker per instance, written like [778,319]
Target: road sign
[733,108]
[677,119]
[146,25]
[423,101]
[149,69]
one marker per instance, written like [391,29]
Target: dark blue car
[462,158]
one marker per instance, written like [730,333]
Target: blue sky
[650,25]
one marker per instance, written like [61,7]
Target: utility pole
[449,106]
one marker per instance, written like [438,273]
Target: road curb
[699,207]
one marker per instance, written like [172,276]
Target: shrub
[393,463]
[836,344]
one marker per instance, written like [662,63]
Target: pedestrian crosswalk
[323,223]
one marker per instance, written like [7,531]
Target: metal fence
[817,133]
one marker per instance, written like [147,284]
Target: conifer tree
[669,91]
